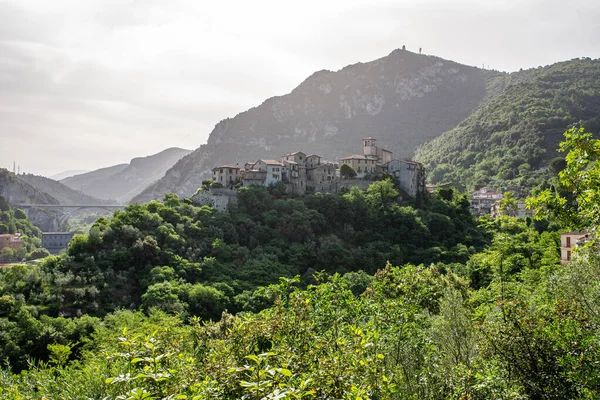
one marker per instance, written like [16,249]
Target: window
[358,169]
[221,171]
[568,256]
[230,171]
[568,241]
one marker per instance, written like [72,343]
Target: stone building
[264,173]
[295,171]
[483,200]
[10,241]
[410,176]
[54,242]
[322,178]
[372,162]
[226,175]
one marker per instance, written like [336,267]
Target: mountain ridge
[119,183]
[512,139]
[403,99]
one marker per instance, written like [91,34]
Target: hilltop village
[309,173]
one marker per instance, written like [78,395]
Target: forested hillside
[514,136]
[171,300]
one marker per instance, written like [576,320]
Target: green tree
[508,204]
[347,172]
[576,202]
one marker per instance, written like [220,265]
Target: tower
[369,148]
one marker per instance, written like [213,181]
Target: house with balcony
[264,173]
[568,242]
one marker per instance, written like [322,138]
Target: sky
[86,84]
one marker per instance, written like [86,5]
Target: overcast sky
[91,83]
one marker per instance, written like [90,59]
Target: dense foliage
[413,333]
[500,318]
[512,138]
[15,221]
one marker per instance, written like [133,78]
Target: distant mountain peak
[124,181]
[404,99]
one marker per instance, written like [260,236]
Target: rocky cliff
[403,100]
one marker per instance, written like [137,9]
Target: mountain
[66,174]
[403,100]
[64,194]
[124,181]
[17,191]
[511,139]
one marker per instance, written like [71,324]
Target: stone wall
[362,184]
[219,199]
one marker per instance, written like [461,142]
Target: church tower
[369,148]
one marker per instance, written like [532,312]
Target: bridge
[68,210]
[74,207]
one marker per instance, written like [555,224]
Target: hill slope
[124,181]
[17,191]
[64,194]
[512,138]
[66,174]
[403,99]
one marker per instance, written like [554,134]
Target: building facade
[483,200]
[295,171]
[226,175]
[410,176]
[264,173]
[322,178]
[10,241]
[55,242]
[568,242]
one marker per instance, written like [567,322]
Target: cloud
[84,84]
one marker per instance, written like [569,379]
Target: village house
[295,171]
[410,176]
[321,177]
[264,173]
[226,175]
[568,241]
[372,162]
[10,241]
[303,173]
[483,199]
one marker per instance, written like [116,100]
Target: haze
[88,84]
